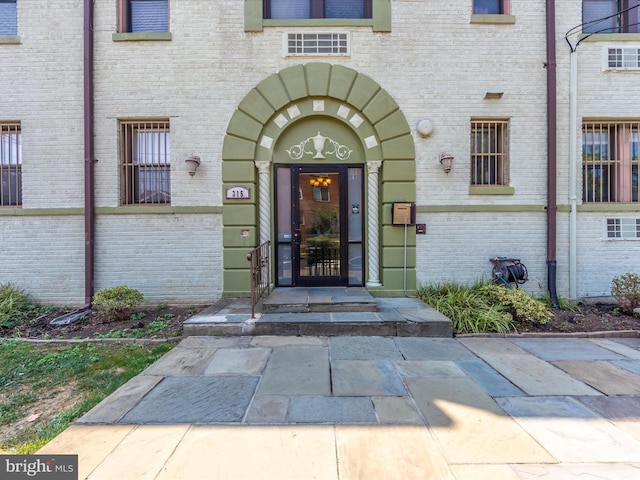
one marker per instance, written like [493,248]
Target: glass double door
[319,225]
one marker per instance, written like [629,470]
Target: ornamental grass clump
[117,302]
[467,308]
[522,307]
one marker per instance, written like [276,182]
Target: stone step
[330,299]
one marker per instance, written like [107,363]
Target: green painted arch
[325,93]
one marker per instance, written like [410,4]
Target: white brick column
[374,223]
[264,206]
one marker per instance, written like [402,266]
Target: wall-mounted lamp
[192,164]
[493,95]
[446,160]
[425,127]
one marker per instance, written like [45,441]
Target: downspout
[89,214]
[552,207]
[573,133]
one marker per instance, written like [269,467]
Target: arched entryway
[278,127]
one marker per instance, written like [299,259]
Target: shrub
[14,306]
[626,290]
[117,301]
[467,308]
[522,307]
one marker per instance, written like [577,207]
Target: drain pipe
[552,207]
[89,214]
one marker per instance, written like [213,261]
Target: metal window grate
[623,58]
[490,152]
[610,162]
[623,228]
[145,160]
[10,165]
[317,43]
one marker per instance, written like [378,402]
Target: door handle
[296,237]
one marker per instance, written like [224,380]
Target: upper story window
[490,7]
[296,9]
[489,152]
[8,17]
[145,162]
[143,16]
[10,165]
[610,162]
[610,16]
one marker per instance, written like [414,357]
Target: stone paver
[485,376]
[566,349]
[297,371]
[357,407]
[572,432]
[470,426]
[195,400]
[433,349]
[232,361]
[331,410]
[389,453]
[351,378]
[603,376]
[363,348]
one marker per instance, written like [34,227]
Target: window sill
[141,36]
[491,190]
[610,37]
[493,19]
[609,207]
[10,39]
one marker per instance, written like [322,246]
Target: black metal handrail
[260,273]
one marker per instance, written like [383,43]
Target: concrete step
[391,317]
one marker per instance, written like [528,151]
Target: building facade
[328,129]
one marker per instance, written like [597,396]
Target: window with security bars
[623,228]
[490,152]
[290,9]
[312,43]
[145,162]
[610,162]
[610,16]
[143,15]
[10,165]
[8,17]
[623,58]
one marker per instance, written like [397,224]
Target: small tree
[117,301]
[626,290]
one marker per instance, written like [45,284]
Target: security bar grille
[610,162]
[623,228]
[10,165]
[490,152]
[146,166]
[623,58]
[317,43]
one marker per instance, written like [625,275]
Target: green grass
[28,372]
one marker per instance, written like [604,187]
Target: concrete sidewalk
[371,408]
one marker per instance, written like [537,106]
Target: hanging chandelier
[320,181]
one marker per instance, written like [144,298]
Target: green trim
[380,21]
[493,19]
[10,39]
[141,36]
[157,210]
[491,190]
[353,107]
[40,212]
[609,207]
[610,37]
[480,208]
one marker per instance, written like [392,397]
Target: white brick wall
[434,63]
